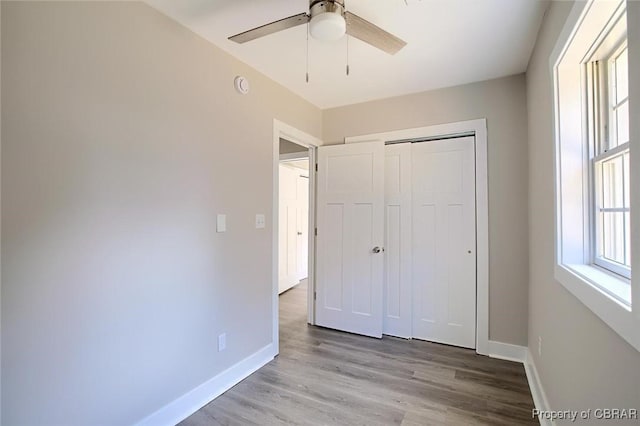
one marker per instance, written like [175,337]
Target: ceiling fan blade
[369,33]
[273,27]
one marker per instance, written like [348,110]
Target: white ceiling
[450,42]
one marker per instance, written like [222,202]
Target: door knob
[377,249]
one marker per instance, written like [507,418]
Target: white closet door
[444,246]
[397,266]
[350,219]
[302,181]
[288,228]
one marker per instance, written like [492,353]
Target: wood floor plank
[378,393]
[327,377]
[351,408]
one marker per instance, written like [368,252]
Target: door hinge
[315,295]
[316,232]
[316,167]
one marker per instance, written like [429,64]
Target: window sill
[586,283]
[612,286]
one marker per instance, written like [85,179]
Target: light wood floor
[326,377]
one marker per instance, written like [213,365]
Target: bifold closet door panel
[444,241]
[397,272]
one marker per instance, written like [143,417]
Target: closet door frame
[477,128]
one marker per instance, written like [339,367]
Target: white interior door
[288,228]
[444,246]
[350,222]
[302,182]
[397,244]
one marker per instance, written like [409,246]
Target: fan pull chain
[347,54]
[307,52]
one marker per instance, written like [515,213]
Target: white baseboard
[537,392]
[181,408]
[507,351]
[521,354]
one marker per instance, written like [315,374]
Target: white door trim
[285,131]
[479,128]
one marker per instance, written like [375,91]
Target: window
[608,110]
[595,160]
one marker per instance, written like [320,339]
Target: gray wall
[287,147]
[122,139]
[584,364]
[502,102]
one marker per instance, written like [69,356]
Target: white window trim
[585,281]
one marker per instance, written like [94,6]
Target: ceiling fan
[329,21]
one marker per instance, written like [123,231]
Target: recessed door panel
[350,174]
[393,274]
[363,261]
[426,280]
[333,277]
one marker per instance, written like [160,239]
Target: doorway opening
[293,216]
[293,266]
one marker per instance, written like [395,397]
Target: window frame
[611,297]
[596,233]
[601,105]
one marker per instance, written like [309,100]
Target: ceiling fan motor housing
[327,20]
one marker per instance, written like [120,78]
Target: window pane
[612,178]
[613,241]
[622,123]
[622,76]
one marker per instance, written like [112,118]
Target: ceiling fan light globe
[327,26]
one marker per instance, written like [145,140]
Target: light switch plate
[221,223]
[260,221]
